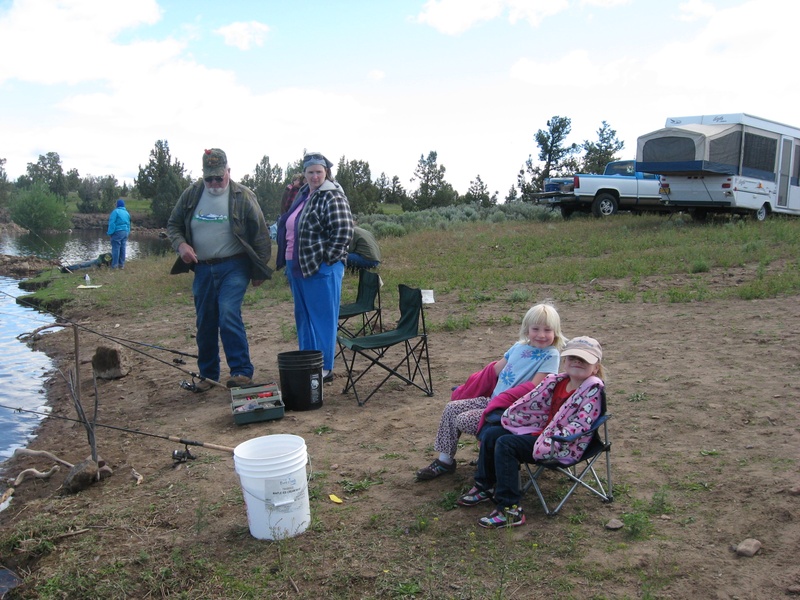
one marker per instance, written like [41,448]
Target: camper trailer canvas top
[734,162]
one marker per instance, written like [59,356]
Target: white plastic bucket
[272,471]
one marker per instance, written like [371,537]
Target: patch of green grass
[783,463]
[638,397]
[393,456]
[108,581]
[578,518]
[650,297]
[351,487]
[637,525]
[693,293]
[769,285]
[523,296]
[453,323]
[36,536]
[406,589]
[696,485]
[659,504]
[373,447]
[449,500]
[288,331]
[626,296]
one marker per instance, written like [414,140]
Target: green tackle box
[255,403]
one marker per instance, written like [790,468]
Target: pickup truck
[621,187]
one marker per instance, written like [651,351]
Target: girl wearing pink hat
[563,404]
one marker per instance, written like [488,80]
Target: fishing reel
[189,385]
[181,456]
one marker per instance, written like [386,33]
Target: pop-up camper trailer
[734,163]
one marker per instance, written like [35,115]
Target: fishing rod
[20,300]
[171,438]
[110,337]
[186,385]
[178,352]
[46,243]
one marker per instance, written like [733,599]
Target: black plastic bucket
[301,379]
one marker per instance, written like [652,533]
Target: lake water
[22,370]
[79,246]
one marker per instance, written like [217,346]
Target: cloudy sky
[383,81]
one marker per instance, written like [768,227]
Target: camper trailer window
[668,149]
[759,155]
[725,150]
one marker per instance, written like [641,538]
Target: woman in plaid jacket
[313,237]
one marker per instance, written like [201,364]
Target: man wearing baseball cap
[219,232]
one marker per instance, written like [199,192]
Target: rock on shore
[24,266]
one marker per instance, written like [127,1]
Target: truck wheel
[762,213]
[566,212]
[604,205]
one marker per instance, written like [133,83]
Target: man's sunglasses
[314,156]
[210,179]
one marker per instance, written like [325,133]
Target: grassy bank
[518,262]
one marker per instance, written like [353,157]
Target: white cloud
[376,75]
[534,11]
[604,3]
[72,41]
[456,16]
[243,35]
[596,73]
[707,69]
[453,17]
[694,10]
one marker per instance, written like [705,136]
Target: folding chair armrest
[591,430]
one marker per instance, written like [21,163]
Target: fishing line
[121,341]
[179,352]
[171,438]
[25,316]
[56,252]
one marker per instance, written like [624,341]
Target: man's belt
[216,261]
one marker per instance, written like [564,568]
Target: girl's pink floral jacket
[529,415]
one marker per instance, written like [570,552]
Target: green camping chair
[367,306]
[384,349]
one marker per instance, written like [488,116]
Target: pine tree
[162,180]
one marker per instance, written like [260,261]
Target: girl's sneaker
[436,468]
[473,497]
[509,517]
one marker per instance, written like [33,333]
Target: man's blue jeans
[498,463]
[218,294]
[119,242]
[356,261]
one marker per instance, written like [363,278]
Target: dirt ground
[704,411]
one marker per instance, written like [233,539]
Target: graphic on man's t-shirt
[211,217]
